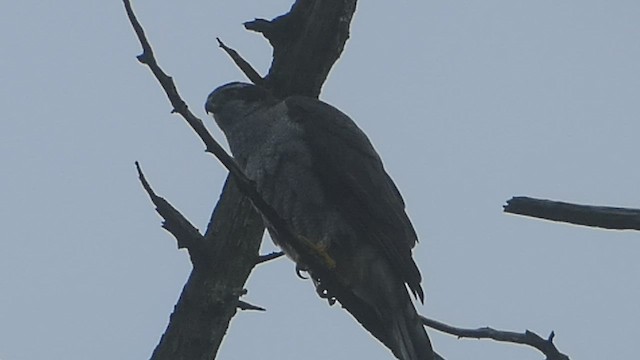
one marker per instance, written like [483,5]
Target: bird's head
[234,101]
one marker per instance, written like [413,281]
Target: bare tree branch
[179,106]
[186,234]
[242,64]
[269,257]
[545,346]
[596,216]
[243,305]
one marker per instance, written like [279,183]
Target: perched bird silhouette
[319,172]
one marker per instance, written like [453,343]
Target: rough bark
[306,42]
[221,265]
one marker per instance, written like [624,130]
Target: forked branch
[545,346]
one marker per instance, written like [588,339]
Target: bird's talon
[299,270]
[321,290]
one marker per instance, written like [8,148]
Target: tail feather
[408,338]
[377,297]
[399,329]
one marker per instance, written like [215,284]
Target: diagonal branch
[545,346]
[597,216]
[179,106]
[246,68]
[222,260]
[210,297]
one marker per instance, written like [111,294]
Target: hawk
[320,173]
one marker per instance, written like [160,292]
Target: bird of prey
[319,172]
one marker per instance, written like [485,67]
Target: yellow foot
[320,250]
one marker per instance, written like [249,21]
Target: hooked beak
[209,108]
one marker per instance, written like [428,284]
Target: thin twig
[174,222]
[243,305]
[545,346]
[269,257]
[179,106]
[246,68]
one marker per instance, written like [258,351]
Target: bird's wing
[353,176]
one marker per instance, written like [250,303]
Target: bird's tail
[398,327]
[407,337]
[378,299]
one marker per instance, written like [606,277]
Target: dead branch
[243,305]
[269,257]
[186,234]
[545,346]
[242,64]
[587,215]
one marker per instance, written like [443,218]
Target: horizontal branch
[243,305]
[597,216]
[545,346]
[268,257]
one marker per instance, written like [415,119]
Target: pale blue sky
[468,103]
